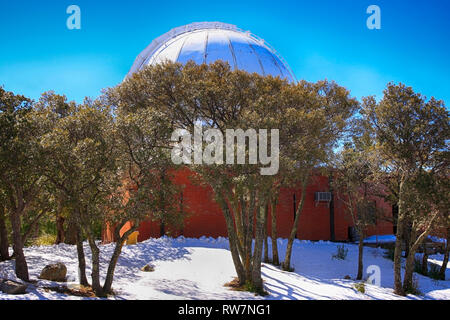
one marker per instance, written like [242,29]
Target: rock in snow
[148,268]
[54,272]
[12,287]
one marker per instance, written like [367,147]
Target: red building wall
[205,218]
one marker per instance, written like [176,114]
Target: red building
[318,220]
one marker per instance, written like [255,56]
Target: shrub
[44,240]
[341,253]
[360,287]
[248,286]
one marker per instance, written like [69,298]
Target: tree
[440,197]
[273,200]
[82,151]
[310,118]
[104,169]
[410,134]
[241,101]
[4,242]
[426,200]
[84,166]
[130,160]
[20,166]
[146,169]
[266,240]
[356,189]
[443,268]
[313,117]
[61,171]
[214,97]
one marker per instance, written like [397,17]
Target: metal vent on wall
[322,197]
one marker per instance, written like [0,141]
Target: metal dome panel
[217,41]
[207,42]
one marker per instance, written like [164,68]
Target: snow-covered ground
[391,238]
[380,239]
[188,268]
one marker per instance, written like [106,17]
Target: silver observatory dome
[207,42]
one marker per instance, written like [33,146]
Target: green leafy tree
[310,118]
[145,159]
[62,169]
[20,167]
[4,241]
[444,218]
[217,98]
[356,189]
[411,136]
[83,168]
[313,116]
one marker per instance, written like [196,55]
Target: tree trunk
[115,257]
[257,253]
[446,254]
[4,244]
[95,275]
[286,265]
[60,219]
[425,261]
[409,267]
[273,215]
[81,259]
[71,233]
[249,223]
[398,288]
[266,248]
[233,240]
[238,224]
[21,263]
[162,228]
[360,257]
[407,230]
[112,266]
[59,229]
[35,231]
[266,242]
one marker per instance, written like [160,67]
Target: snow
[187,268]
[391,238]
[380,239]
[437,239]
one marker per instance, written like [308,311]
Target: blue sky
[319,39]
